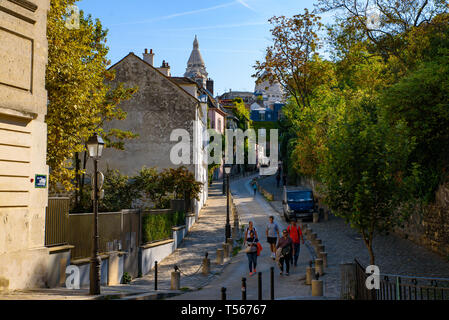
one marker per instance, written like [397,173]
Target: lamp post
[95,146]
[227,168]
[224,177]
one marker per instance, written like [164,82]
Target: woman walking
[284,252]
[251,252]
[248,230]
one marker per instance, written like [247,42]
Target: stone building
[161,105]
[23,144]
[271,93]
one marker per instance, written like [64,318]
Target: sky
[232,34]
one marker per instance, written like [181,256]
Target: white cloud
[243,3]
[180,14]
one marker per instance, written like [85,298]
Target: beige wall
[157,108]
[23,136]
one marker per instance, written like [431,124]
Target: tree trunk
[369,245]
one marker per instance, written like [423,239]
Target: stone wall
[23,143]
[158,107]
[429,225]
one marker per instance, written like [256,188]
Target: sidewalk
[206,235]
[269,183]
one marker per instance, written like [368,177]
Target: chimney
[210,86]
[165,69]
[148,57]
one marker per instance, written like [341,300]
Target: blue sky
[232,34]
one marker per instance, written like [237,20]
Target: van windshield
[299,196]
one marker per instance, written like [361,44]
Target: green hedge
[157,227]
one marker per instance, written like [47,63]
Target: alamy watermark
[373,280]
[73,17]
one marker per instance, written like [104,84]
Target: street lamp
[227,168]
[95,146]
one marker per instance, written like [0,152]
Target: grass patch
[236,250]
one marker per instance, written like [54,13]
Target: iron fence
[400,287]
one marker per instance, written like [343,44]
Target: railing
[399,287]
[118,231]
[57,221]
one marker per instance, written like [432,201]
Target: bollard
[319,266]
[316,217]
[313,236]
[243,288]
[155,275]
[225,250]
[323,256]
[235,233]
[230,241]
[272,283]
[206,264]
[259,285]
[220,256]
[223,293]
[326,215]
[320,248]
[309,274]
[175,279]
[317,288]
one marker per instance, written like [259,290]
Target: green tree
[79,100]
[365,173]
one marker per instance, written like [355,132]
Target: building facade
[161,105]
[23,144]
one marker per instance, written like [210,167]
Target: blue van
[298,204]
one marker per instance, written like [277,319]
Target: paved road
[257,210]
[393,254]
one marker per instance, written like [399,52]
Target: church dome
[196,66]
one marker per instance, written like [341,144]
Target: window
[262,116]
[219,125]
[212,124]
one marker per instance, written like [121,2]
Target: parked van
[298,203]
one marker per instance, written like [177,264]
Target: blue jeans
[294,258]
[252,260]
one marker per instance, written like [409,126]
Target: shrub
[157,227]
[118,192]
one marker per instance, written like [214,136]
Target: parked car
[298,204]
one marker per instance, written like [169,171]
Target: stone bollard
[326,215]
[323,256]
[317,288]
[320,248]
[312,236]
[319,266]
[226,250]
[220,256]
[230,241]
[175,280]
[206,265]
[235,233]
[316,217]
[309,276]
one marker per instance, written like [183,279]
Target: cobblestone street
[393,254]
[206,235]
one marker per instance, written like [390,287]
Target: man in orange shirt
[296,235]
